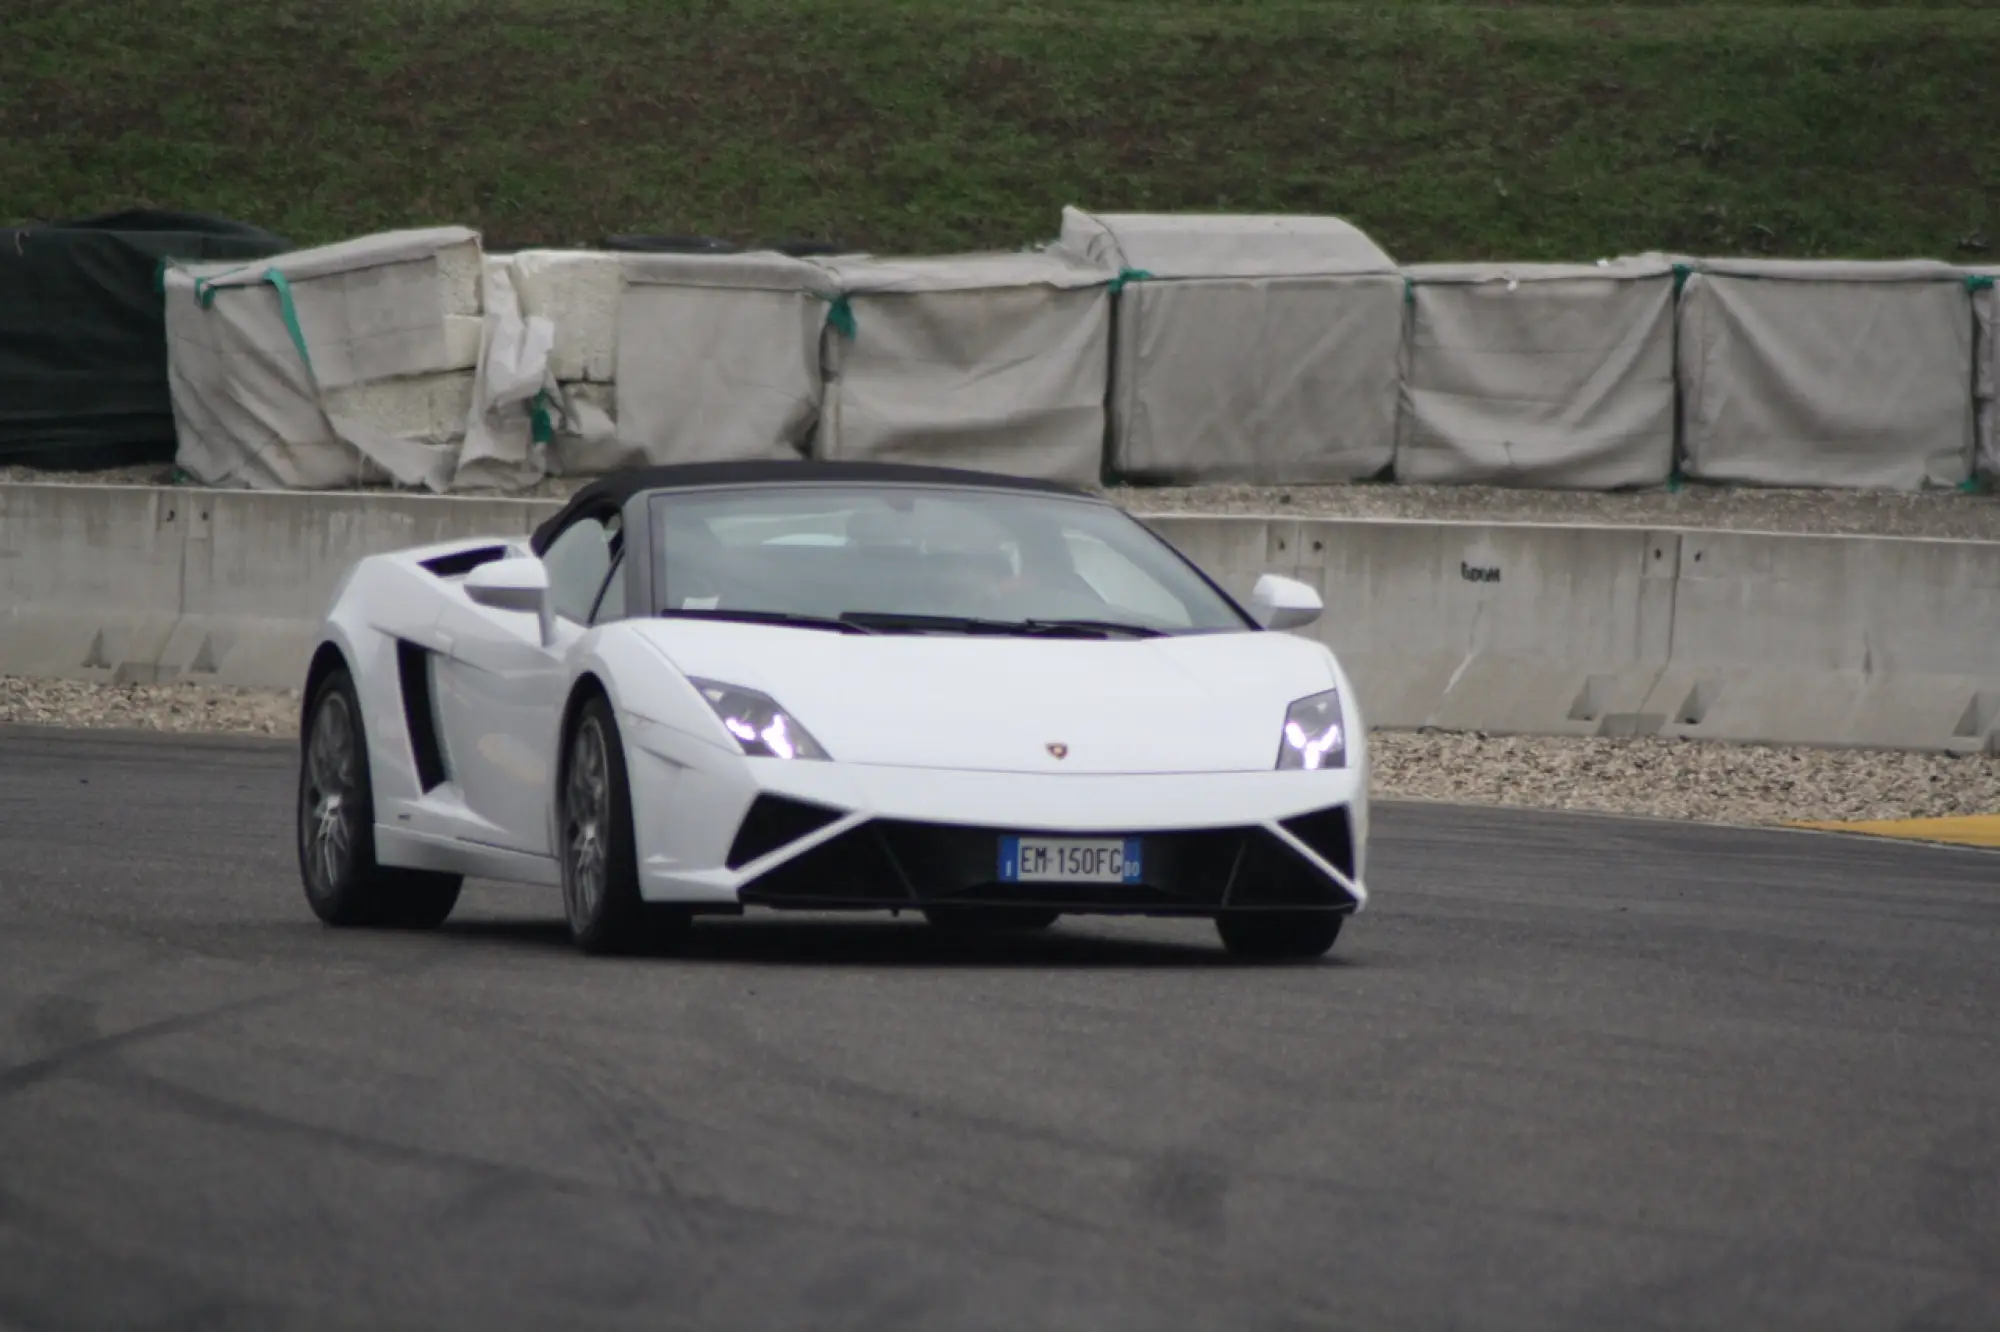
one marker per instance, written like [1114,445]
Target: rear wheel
[600,861]
[336,827]
[990,917]
[1279,934]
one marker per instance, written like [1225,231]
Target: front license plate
[1069,860]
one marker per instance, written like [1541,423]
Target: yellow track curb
[1966,830]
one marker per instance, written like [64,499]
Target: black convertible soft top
[609,492]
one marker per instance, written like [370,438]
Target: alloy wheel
[585,805]
[330,797]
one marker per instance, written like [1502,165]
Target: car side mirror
[518,584]
[1278,602]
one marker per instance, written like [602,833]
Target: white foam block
[431,408]
[590,446]
[578,291]
[461,341]
[458,278]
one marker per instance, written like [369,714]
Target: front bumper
[719,829]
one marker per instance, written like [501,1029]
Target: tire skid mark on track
[681,1208]
[940,1120]
[675,1220]
[180,1299]
[610,1120]
[726,1040]
[1187,1186]
[24,1075]
[494,1178]
[58,1022]
[1401,1196]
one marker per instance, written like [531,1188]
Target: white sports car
[830,686]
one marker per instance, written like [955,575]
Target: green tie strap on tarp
[83,340]
[840,316]
[1128,275]
[290,313]
[540,424]
[1978,282]
[1681,272]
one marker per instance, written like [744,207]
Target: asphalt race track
[1567,1072]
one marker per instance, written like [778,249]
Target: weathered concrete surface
[1500,627]
[1576,630]
[136,584]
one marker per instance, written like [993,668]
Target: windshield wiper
[840,626]
[970,624]
[1104,626]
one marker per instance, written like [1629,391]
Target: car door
[501,690]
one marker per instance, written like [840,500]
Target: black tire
[344,885]
[1279,935]
[991,917]
[600,859]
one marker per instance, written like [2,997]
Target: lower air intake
[775,821]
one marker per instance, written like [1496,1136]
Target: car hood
[1193,703]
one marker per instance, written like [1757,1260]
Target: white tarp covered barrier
[718,358]
[327,367]
[1554,375]
[508,422]
[1986,373]
[1816,373]
[992,361]
[578,291]
[1247,348]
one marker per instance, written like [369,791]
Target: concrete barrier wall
[137,584]
[1499,627]
[1532,629]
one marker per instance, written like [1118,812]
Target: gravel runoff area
[1707,782]
[1947,513]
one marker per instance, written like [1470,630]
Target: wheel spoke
[583,823]
[330,784]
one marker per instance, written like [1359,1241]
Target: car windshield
[875,559]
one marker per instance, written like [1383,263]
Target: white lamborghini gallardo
[830,686]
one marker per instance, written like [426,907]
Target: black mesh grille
[774,821]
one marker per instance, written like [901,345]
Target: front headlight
[759,725]
[1315,736]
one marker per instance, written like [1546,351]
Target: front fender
[644,684]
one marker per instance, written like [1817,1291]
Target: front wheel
[600,860]
[1279,934]
[336,827]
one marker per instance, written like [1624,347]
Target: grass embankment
[1448,131]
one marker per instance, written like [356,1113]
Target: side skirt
[415,850]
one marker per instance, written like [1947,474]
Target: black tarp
[83,343]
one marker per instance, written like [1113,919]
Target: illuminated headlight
[759,725]
[1315,736]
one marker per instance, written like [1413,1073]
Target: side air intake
[413,671]
[464,561]
[775,821]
